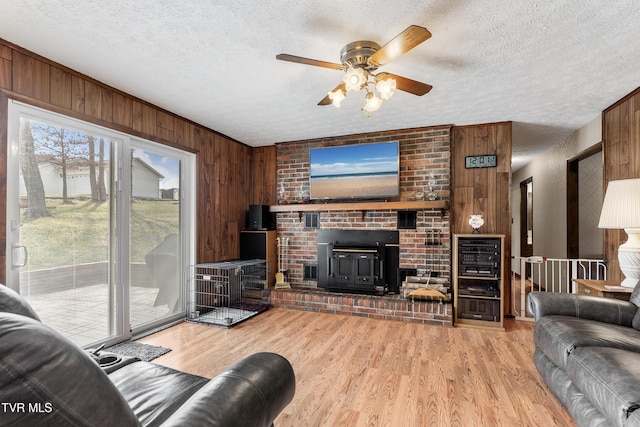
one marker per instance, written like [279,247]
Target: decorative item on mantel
[281,195]
[476,222]
[431,194]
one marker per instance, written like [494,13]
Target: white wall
[549,173]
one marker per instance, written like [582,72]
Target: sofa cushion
[50,381]
[12,302]
[155,392]
[635,298]
[609,378]
[580,408]
[558,336]
[608,310]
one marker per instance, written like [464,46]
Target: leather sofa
[587,350]
[47,380]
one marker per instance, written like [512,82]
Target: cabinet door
[366,268]
[479,309]
[343,268]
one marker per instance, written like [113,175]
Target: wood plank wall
[225,172]
[483,191]
[265,175]
[621,150]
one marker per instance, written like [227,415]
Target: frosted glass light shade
[386,86]
[337,97]
[373,103]
[355,78]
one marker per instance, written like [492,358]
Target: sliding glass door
[98,226]
[155,240]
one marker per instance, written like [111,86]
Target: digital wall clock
[486,161]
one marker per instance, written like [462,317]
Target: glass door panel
[99,226]
[60,227]
[155,236]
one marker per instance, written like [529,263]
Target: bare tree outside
[36,202]
[96,175]
[102,189]
[92,168]
[62,148]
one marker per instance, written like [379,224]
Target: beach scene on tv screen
[354,171]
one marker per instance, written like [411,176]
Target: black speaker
[260,218]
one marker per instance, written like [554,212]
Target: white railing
[537,273]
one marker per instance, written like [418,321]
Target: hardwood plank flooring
[356,371]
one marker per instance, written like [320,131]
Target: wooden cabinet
[478,280]
[261,244]
[603,288]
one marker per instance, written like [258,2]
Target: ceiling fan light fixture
[385,85]
[337,96]
[373,103]
[360,60]
[355,78]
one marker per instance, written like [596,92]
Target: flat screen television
[361,171]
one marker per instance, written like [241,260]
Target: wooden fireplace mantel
[361,206]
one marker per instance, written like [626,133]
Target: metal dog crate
[221,292]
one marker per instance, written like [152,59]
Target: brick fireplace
[358,261]
[424,161]
[424,164]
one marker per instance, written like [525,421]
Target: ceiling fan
[360,59]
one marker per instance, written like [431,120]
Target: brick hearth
[391,307]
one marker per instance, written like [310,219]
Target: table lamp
[621,210]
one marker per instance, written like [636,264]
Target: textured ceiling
[549,66]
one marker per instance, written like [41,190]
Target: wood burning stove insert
[358,261]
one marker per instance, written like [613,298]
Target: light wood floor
[353,371]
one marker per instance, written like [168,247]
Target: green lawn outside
[79,232]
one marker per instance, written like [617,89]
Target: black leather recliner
[47,380]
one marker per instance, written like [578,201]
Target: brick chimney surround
[425,155]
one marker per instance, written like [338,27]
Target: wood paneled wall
[483,191]
[265,175]
[225,171]
[621,149]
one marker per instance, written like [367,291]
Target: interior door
[61,224]
[526,217]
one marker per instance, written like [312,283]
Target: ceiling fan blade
[402,43]
[326,100]
[307,61]
[411,86]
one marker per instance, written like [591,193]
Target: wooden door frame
[573,200]
[525,248]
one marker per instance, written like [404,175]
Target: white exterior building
[146,180]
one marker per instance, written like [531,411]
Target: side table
[603,288]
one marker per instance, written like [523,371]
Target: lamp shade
[621,206]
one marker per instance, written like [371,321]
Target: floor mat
[144,352]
